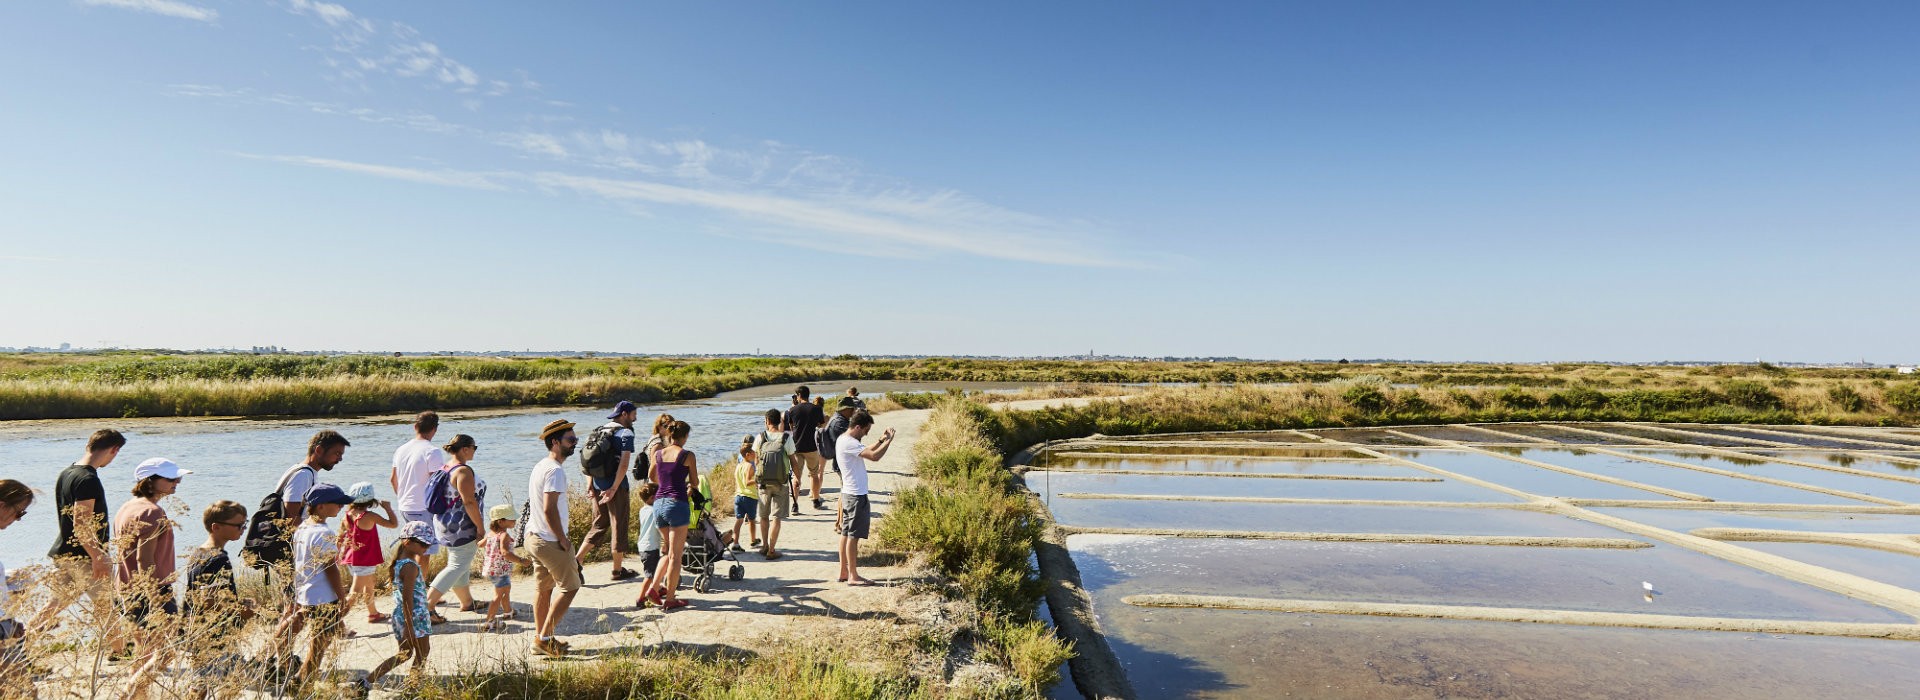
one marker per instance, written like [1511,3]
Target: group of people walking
[325,571]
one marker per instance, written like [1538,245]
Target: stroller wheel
[702,583]
[736,572]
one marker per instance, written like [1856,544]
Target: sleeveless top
[362,547]
[422,624]
[673,476]
[455,527]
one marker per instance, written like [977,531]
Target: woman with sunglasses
[144,566]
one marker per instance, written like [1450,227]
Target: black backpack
[600,456]
[643,461]
[267,543]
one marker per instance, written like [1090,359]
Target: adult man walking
[856,514]
[774,449]
[80,508]
[604,459]
[413,465]
[800,422]
[553,560]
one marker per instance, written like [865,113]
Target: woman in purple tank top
[677,474]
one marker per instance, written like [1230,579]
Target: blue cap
[622,407]
[327,493]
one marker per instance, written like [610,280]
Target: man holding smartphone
[856,514]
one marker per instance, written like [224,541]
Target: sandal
[624,573]
[377,618]
[674,604]
[477,606]
[436,618]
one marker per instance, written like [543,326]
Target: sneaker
[819,504]
[737,548]
[624,573]
[756,544]
[548,647]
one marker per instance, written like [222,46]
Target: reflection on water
[1245,654]
[1189,485]
[1531,479]
[1234,653]
[1317,518]
[1605,580]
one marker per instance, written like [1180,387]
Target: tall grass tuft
[976,530]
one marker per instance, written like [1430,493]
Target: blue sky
[1491,181]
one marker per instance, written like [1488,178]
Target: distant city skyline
[1498,181]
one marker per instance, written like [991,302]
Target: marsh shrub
[1410,403]
[1516,398]
[1465,399]
[1753,395]
[1846,399]
[1904,398]
[1577,398]
[1365,398]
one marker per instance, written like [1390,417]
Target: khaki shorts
[553,564]
[773,501]
[816,466]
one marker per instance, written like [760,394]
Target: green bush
[1753,395]
[1846,398]
[1365,399]
[1516,398]
[1904,398]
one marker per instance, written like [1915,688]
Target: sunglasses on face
[237,526]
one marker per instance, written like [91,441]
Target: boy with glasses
[212,606]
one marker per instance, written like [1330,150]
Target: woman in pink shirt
[144,567]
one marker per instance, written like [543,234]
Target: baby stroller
[706,548]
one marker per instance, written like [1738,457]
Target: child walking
[411,627]
[498,566]
[745,506]
[649,537]
[360,546]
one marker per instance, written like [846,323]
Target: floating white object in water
[1648,586]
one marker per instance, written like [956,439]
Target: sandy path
[793,597]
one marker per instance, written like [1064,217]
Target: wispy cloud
[447,178]
[889,225]
[169,8]
[365,46]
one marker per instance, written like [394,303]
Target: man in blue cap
[605,457]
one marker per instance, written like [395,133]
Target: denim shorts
[672,512]
[501,581]
[745,507]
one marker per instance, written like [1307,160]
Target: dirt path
[793,597]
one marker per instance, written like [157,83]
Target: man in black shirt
[800,422]
[840,422]
[80,508]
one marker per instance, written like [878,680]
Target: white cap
[158,466]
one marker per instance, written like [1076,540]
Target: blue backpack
[443,503]
[440,495]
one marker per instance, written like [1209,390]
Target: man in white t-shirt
[413,464]
[553,560]
[856,514]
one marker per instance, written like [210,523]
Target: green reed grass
[968,518]
[130,384]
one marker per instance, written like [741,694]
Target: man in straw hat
[553,560]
